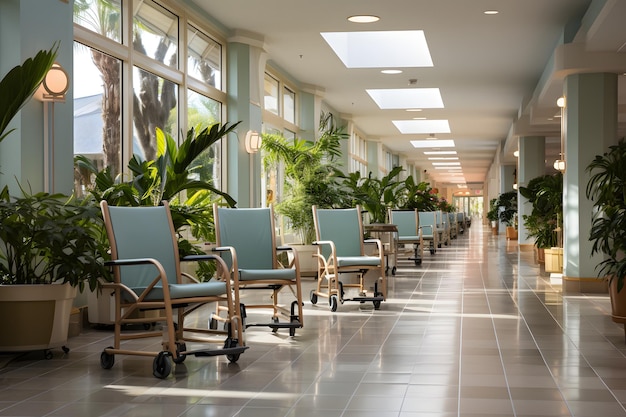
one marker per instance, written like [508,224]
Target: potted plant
[544,224]
[375,195]
[607,189]
[507,212]
[309,170]
[49,248]
[493,215]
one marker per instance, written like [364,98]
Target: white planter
[34,317]
[308,262]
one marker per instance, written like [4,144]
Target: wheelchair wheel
[107,360]
[161,366]
[231,343]
[333,301]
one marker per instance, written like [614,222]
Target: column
[246,70]
[590,128]
[531,164]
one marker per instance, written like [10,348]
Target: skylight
[422,126]
[407,98]
[380,49]
[439,152]
[433,143]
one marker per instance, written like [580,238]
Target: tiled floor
[477,330]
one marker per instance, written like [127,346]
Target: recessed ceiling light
[380,49]
[391,71]
[444,158]
[449,143]
[414,109]
[364,18]
[405,98]
[491,12]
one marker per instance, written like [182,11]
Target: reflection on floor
[477,330]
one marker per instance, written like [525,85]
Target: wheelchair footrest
[216,352]
[279,325]
[365,298]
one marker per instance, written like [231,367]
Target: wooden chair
[147,277]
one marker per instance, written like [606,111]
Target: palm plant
[309,169]
[607,189]
[20,83]
[545,193]
[375,195]
[169,178]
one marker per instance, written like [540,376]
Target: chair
[460,219]
[147,276]
[407,223]
[443,228]
[428,225]
[341,250]
[454,226]
[247,241]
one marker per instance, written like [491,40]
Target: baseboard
[579,285]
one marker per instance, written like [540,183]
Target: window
[156,106]
[203,112]
[204,58]
[155,32]
[88,13]
[270,99]
[358,154]
[289,105]
[113,119]
[97,109]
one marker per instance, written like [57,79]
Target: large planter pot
[308,262]
[494,228]
[34,317]
[540,255]
[554,260]
[618,303]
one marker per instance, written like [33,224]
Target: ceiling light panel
[439,152]
[433,143]
[443,158]
[422,126]
[406,98]
[446,164]
[380,49]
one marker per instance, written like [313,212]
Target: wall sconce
[559,164]
[52,90]
[54,85]
[252,141]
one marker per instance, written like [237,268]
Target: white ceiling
[487,67]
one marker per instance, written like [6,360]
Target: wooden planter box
[511,233]
[554,259]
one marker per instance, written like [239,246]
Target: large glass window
[118,106]
[97,108]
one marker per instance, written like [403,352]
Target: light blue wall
[26,27]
